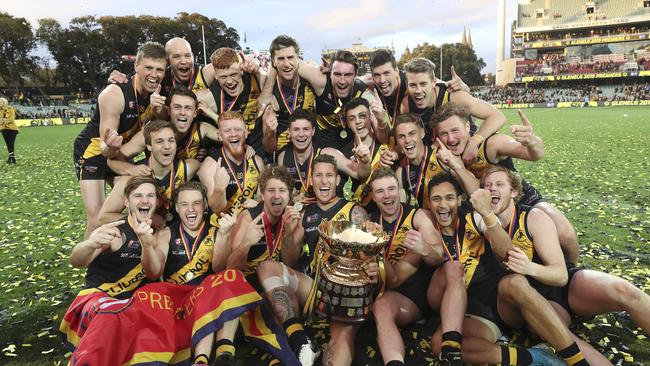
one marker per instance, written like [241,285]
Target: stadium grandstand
[45,106]
[576,51]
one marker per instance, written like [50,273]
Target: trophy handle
[382,276]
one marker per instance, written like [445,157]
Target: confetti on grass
[600,184]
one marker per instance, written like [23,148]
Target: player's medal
[343,134]
[169,216]
[298,206]
[189,275]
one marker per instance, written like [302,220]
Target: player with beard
[287,289]
[112,252]
[231,179]
[413,252]
[238,86]
[112,255]
[182,70]
[188,251]
[284,93]
[421,162]
[120,113]
[390,82]
[168,171]
[450,124]
[587,292]
[359,159]
[297,157]
[265,231]
[333,91]
[191,133]
[496,300]
[427,94]
[176,314]
[358,165]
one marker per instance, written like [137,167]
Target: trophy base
[348,300]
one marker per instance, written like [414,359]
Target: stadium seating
[55,111]
[572,11]
[576,93]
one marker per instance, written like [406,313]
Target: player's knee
[274,274]
[454,272]
[383,309]
[514,287]
[268,269]
[625,293]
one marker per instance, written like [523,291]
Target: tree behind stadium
[89,48]
[17,42]
[468,66]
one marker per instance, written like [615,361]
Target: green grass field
[595,170]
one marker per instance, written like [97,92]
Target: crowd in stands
[31,103]
[514,94]
[585,33]
[54,111]
[558,64]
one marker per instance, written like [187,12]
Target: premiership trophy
[346,291]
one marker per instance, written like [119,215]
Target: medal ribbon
[272,240]
[137,104]
[303,183]
[420,172]
[186,149]
[170,185]
[233,172]
[399,81]
[189,251]
[295,95]
[457,245]
[393,230]
[223,102]
[511,230]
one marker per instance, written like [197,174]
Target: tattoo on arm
[282,304]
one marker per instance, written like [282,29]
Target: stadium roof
[547,15]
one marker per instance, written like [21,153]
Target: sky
[315,24]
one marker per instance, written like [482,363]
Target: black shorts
[255,282]
[530,196]
[559,295]
[415,287]
[89,162]
[482,302]
[553,293]
[572,269]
